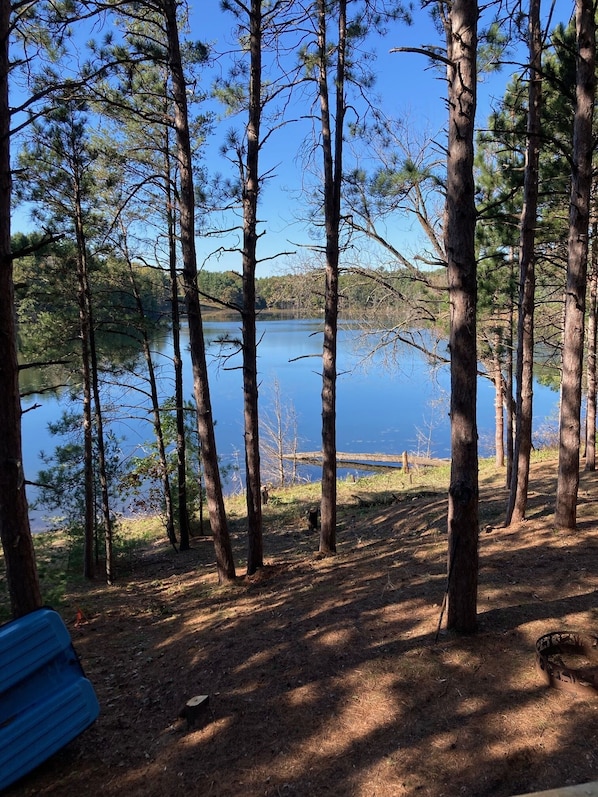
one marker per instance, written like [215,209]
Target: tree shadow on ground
[325,676]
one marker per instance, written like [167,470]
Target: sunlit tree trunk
[575,296]
[205,419]
[88,477]
[508,397]
[91,388]
[459,237]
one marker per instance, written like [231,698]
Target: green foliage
[492,44]
[224,287]
[500,174]
[61,484]
[142,482]
[501,151]
[360,290]
[48,314]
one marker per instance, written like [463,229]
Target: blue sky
[408,87]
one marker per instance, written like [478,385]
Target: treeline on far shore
[46,285]
[303,292]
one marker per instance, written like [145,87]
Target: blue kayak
[45,698]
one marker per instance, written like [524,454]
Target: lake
[381,407]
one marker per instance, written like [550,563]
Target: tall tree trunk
[91,373]
[179,401]
[575,298]
[509,382]
[499,393]
[527,280]
[459,238]
[88,473]
[15,531]
[101,448]
[205,420]
[591,358]
[255,557]
[332,146]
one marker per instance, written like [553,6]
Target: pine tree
[460,24]
[575,296]
[15,530]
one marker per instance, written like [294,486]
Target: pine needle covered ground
[325,676]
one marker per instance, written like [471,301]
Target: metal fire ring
[549,651]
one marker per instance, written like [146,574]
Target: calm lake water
[382,407]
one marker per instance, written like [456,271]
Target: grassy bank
[60,555]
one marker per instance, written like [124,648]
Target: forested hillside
[362,291]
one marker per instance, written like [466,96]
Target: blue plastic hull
[45,699]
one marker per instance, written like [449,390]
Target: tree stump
[195,709]
[312,518]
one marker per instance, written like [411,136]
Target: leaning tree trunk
[459,239]
[205,420]
[255,556]
[575,297]
[527,281]
[15,531]
[591,358]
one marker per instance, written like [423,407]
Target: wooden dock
[369,461]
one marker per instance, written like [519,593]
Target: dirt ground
[324,676]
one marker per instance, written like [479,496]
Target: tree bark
[15,531]
[575,298]
[459,237]
[255,555]
[88,479]
[499,393]
[205,421]
[92,386]
[509,383]
[591,357]
[527,281]
[332,147]
[179,401]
